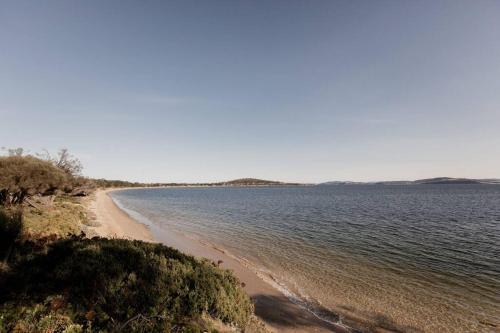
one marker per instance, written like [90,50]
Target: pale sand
[114,222]
[277,312]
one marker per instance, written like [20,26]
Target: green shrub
[109,285]
[22,176]
[39,318]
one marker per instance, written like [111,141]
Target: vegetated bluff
[54,283]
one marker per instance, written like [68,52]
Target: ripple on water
[408,258]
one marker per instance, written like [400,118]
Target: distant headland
[427,181]
[262,182]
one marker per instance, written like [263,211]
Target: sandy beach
[278,313]
[114,222]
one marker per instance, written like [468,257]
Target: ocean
[419,258]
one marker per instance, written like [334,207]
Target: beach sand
[114,222]
[278,313]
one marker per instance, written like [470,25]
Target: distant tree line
[116,183]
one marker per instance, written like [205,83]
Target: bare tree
[64,161]
[69,163]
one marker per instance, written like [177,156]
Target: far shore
[278,313]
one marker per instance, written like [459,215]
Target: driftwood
[40,202]
[33,204]
[81,192]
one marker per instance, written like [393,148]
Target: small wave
[303,300]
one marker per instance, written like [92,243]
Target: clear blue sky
[290,90]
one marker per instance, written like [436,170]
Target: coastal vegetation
[235,182]
[27,176]
[77,284]
[54,278]
[22,177]
[105,183]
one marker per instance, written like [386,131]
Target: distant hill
[252,182]
[428,181]
[339,182]
[447,180]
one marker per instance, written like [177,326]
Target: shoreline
[272,307]
[113,221]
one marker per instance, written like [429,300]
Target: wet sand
[278,313]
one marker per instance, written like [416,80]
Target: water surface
[422,258]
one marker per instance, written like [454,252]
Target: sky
[306,91]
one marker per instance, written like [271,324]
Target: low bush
[23,176]
[116,285]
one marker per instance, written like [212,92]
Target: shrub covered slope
[53,279]
[79,284]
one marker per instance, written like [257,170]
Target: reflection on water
[404,258]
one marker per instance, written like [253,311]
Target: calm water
[405,258]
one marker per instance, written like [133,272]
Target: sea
[404,258]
